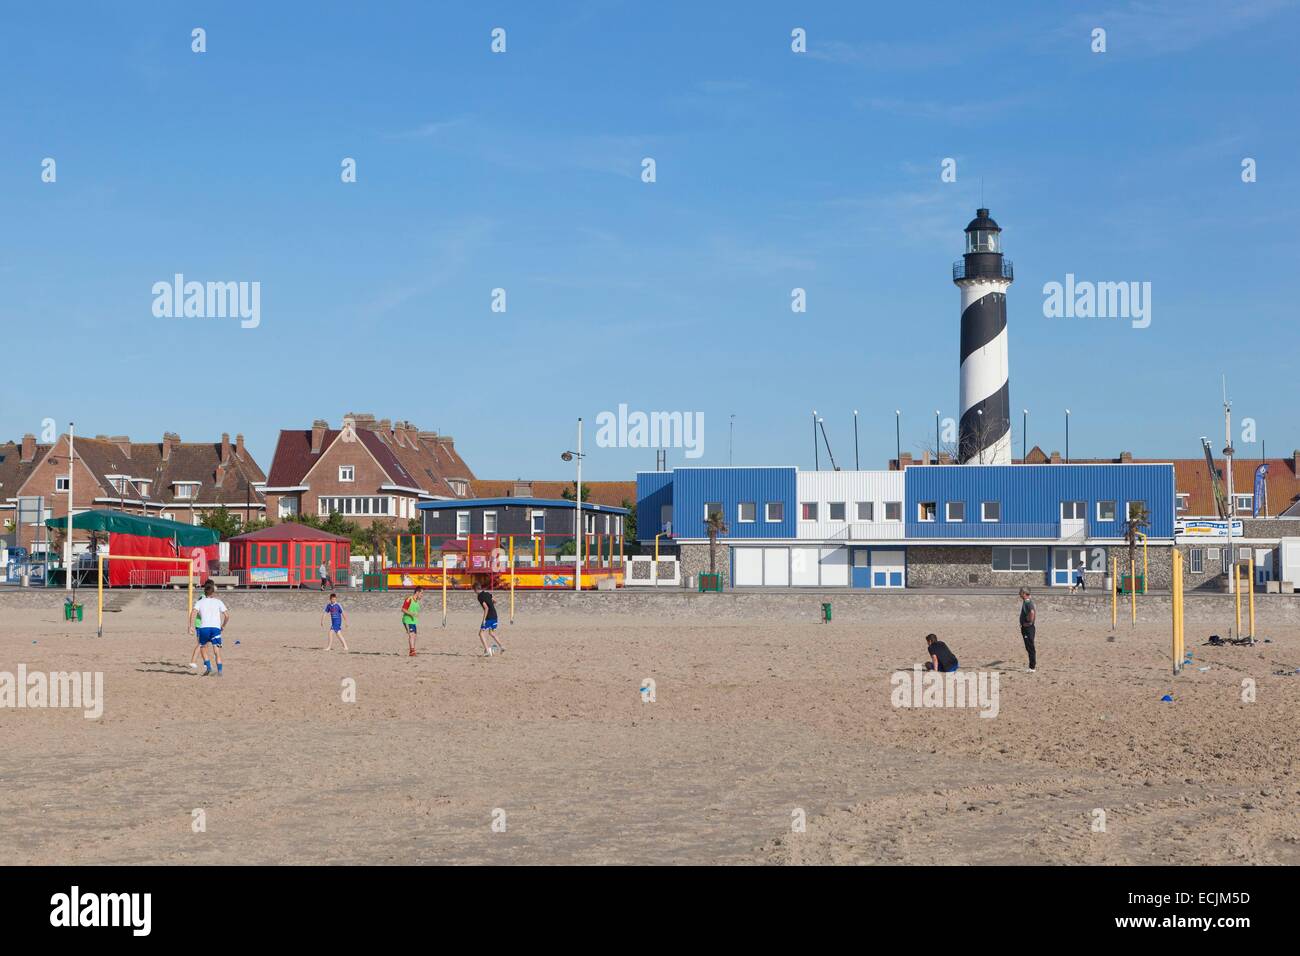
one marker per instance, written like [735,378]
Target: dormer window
[186,489]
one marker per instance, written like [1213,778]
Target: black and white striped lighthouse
[983,277]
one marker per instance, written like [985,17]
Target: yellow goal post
[189,573]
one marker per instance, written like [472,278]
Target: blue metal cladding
[693,488]
[654,489]
[1030,497]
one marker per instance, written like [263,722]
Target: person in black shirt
[1028,630]
[941,659]
[489,623]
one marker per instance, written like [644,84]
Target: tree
[570,493]
[415,526]
[1138,518]
[715,525]
[629,522]
[373,540]
[223,521]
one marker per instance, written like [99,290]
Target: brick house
[366,470]
[170,479]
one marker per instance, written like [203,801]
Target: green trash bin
[826,612]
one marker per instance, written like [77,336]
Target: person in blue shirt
[337,619]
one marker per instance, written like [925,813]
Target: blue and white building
[927,525]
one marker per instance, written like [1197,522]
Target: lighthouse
[983,277]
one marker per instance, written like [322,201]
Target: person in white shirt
[212,617]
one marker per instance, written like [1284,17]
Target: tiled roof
[612,493]
[289,531]
[421,460]
[13,471]
[195,462]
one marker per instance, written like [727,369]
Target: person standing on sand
[489,622]
[411,618]
[337,619]
[1028,617]
[325,581]
[212,619]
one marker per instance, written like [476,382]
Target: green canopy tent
[145,537]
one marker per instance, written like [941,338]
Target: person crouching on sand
[941,659]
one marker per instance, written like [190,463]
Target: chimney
[1126,457]
[925,457]
[123,444]
[1295,461]
[945,458]
[29,448]
[318,429]
[399,432]
[905,460]
[385,426]
[225,448]
[170,441]
[413,435]
[239,447]
[1056,458]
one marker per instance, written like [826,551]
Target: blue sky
[521,171]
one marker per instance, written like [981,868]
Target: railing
[983,530]
[492,552]
[869,531]
[959,271]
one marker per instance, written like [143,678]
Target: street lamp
[1067,436]
[936,436]
[898,438]
[1024,437]
[577,521]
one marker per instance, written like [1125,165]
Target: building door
[888,568]
[1263,566]
[776,567]
[861,570]
[1065,563]
[748,566]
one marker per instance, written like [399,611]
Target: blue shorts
[209,635]
[489,625]
[409,627]
[336,626]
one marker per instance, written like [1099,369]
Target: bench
[227,581]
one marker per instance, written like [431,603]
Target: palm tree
[375,539]
[1138,518]
[715,525]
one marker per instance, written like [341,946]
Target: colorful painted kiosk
[533,562]
[164,549]
[289,555]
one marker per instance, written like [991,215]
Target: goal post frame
[189,566]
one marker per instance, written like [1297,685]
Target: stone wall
[695,560]
[957,566]
[793,605]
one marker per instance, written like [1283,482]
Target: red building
[290,555]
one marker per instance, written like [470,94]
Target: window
[1196,560]
[747,512]
[489,522]
[865,511]
[347,473]
[61,483]
[926,510]
[462,524]
[186,489]
[991,511]
[1245,504]
[712,508]
[144,487]
[1183,501]
[836,510]
[955,511]
[1019,559]
[539,522]
[893,511]
[1213,554]
[1105,511]
[808,511]
[1134,507]
[1074,510]
[774,511]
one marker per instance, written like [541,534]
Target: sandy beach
[759,721]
